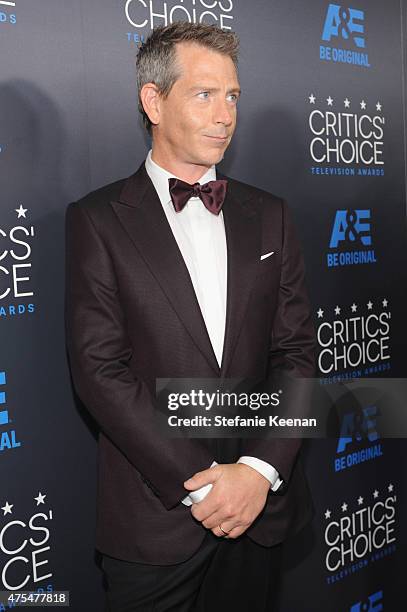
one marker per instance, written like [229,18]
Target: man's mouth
[219,138]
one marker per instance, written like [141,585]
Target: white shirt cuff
[196,496]
[267,470]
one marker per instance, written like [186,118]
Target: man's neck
[191,173]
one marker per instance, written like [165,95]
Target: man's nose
[223,113]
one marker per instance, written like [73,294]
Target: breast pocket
[264,294]
[268,264]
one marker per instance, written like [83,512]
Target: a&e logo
[344,26]
[351,239]
[8,436]
[358,429]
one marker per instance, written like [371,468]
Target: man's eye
[234,97]
[204,94]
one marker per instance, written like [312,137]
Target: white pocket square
[266,255]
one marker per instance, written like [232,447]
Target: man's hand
[237,497]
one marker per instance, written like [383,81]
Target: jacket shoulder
[257,196]
[101,196]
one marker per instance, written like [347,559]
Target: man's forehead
[198,60]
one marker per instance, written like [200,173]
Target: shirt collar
[160,176]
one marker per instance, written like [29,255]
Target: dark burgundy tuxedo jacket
[132,316]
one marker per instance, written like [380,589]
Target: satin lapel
[141,214]
[243,237]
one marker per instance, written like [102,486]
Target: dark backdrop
[317,78]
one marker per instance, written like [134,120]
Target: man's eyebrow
[206,88]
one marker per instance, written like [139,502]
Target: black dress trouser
[223,575]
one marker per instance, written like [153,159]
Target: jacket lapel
[140,212]
[243,238]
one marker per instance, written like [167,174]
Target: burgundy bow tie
[212,194]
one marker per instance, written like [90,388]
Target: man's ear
[150,99]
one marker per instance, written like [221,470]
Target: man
[168,279]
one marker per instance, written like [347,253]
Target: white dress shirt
[201,238]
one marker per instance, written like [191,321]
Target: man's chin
[214,157]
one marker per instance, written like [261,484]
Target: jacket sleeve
[292,351]
[99,353]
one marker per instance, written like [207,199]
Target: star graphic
[40,498]
[346,103]
[344,507]
[369,305]
[337,310]
[21,211]
[330,101]
[360,500]
[328,514]
[378,106]
[354,307]
[363,105]
[320,313]
[312,99]
[7,508]
[385,302]
[375,493]
[390,488]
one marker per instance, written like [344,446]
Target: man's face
[198,118]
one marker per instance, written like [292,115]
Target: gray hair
[156,59]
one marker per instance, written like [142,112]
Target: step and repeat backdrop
[322,123]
